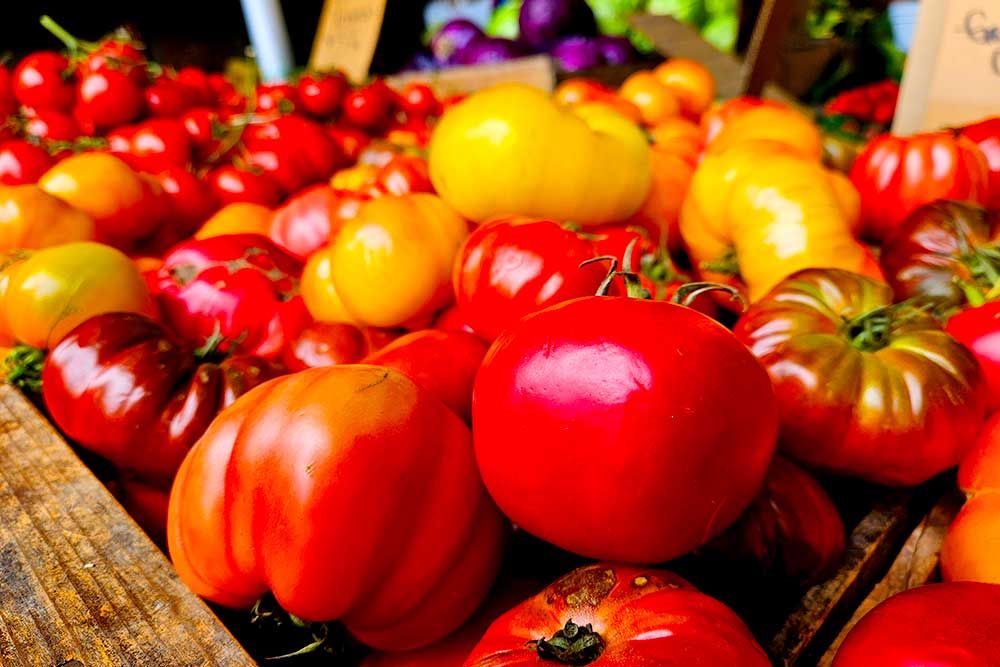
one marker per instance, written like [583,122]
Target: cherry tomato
[197,81]
[418,100]
[51,125]
[403,174]
[22,162]
[368,107]
[191,199]
[325,344]
[231,184]
[40,81]
[279,98]
[121,55]
[205,128]
[153,145]
[108,98]
[351,141]
[321,94]
[8,103]
[167,99]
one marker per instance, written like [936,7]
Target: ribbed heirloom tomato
[348,492]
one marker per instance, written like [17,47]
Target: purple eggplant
[543,21]
[453,37]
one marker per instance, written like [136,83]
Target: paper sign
[952,74]
[347,36]
[537,71]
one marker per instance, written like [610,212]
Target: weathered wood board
[80,584]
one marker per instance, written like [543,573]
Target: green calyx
[572,645]
[633,285]
[873,331]
[23,368]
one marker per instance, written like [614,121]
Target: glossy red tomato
[403,174]
[320,95]
[293,150]
[953,624]
[511,267]
[979,330]
[153,145]
[444,363]
[312,218]
[22,162]
[609,615]
[418,100]
[114,53]
[280,98]
[452,319]
[40,81]
[107,98]
[198,82]
[230,184]
[351,141]
[167,98]
[369,107]
[8,103]
[577,401]
[866,389]
[191,204]
[322,344]
[205,129]
[51,125]
[986,135]
[296,489]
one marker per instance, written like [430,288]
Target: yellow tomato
[8,263]
[32,218]
[690,81]
[511,150]
[774,123]
[354,179]
[319,292]
[237,218]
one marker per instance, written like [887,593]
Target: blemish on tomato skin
[640,581]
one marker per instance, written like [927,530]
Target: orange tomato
[765,122]
[32,218]
[237,218]
[8,263]
[681,137]
[660,213]
[690,81]
[656,102]
[718,115]
[579,90]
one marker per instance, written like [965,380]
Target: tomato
[276,97]
[167,98]
[312,218]
[579,90]
[865,389]
[121,386]
[690,81]
[51,125]
[146,504]
[718,116]
[951,624]
[350,141]
[325,344]
[366,428]
[153,145]
[389,265]
[943,251]
[57,288]
[979,330]
[22,162]
[32,218]
[660,212]
[574,401]
[897,175]
[293,150]
[241,287]
[656,102]
[590,165]
[204,129]
[359,179]
[108,98]
[8,103]
[610,615]
[680,137]
[418,100]
[191,199]
[404,174]
[770,123]
[320,95]
[238,218]
[419,356]
[452,319]
[40,81]
[511,267]
[230,185]
[123,205]
[198,82]
[986,135]
[368,107]
[792,528]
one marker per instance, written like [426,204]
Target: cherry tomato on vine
[418,100]
[231,184]
[108,98]
[23,162]
[320,95]
[41,82]
[51,125]
[279,98]
[8,103]
[369,107]
[167,98]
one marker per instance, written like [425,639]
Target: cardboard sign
[347,36]
[952,74]
[537,71]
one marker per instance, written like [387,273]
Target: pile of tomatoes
[340,344]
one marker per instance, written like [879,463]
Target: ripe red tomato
[369,107]
[153,145]
[312,218]
[241,287]
[231,184]
[452,319]
[319,456]
[986,135]
[322,344]
[107,98]
[114,53]
[198,82]
[609,615]
[280,98]
[897,175]
[40,81]
[606,386]
[511,267]
[8,103]
[865,389]
[191,200]
[351,141]
[50,125]
[979,330]
[168,98]
[293,150]
[22,162]
[403,174]
[418,100]
[320,95]
[953,624]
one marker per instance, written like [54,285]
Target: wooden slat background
[80,583]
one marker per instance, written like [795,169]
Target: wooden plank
[766,46]
[538,71]
[80,583]
[916,564]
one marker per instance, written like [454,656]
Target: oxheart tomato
[945,251]
[605,401]
[608,615]
[865,388]
[897,175]
[32,218]
[348,492]
[122,386]
[241,287]
[979,330]
[511,267]
[442,362]
[945,625]
[986,135]
[312,218]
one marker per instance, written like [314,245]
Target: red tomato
[605,385]
[609,615]
[897,175]
[205,129]
[153,145]
[167,98]
[351,141]
[197,81]
[952,625]
[865,389]
[979,330]
[8,103]
[107,98]
[122,55]
[241,287]
[420,356]
[22,162]
[191,199]
[231,184]
[322,344]
[369,107]
[320,95]
[404,174]
[50,125]
[314,461]
[417,100]
[452,319]
[986,135]
[280,98]
[293,150]
[312,218]
[40,82]
[510,267]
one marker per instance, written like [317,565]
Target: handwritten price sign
[952,72]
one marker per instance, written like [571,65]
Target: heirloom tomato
[237,218]
[715,119]
[866,388]
[986,135]
[32,218]
[57,288]
[767,122]
[295,488]
[610,615]
[9,262]
[587,164]
[312,218]
[952,624]
[897,175]
[605,401]
[389,265]
[510,267]
[660,212]
[241,287]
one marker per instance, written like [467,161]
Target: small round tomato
[57,288]
[579,90]
[231,184]
[191,200]
[690,81]
[418,100]
[8,103]
[312,218]
[325,344]
[351,141]
[320,95]
[51,125]
[41,82]
[403,174]
[32,218]
[204,128]
[108,98]
[656,102]
[22,162]
[167,99]
[279,98]
[153,145]
[237,218]
[368,107]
